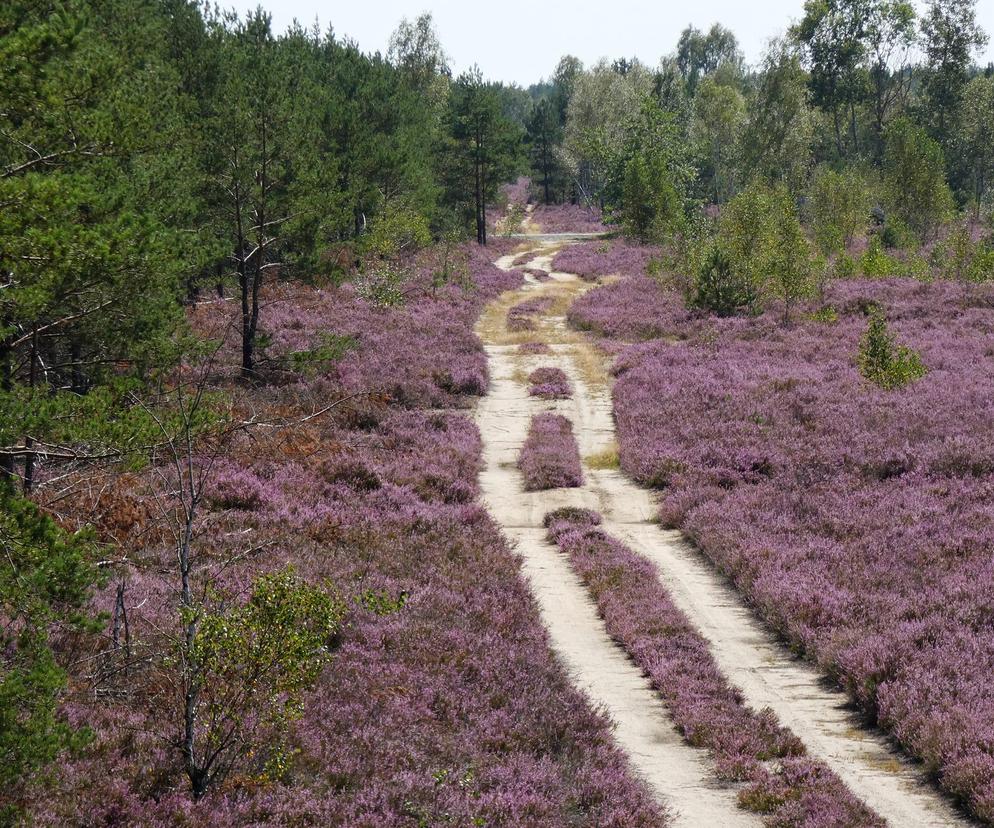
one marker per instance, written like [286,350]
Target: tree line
[824,94]
[864,120]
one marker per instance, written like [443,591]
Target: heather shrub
[522,316]
[351,472]
[867,543]
[549,458]
[571,517]
[233,486]
[568,218]
[549,384]
[708,711]
[882,361]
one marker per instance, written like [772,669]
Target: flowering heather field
[550,384]
[640,615]
[593,259]
[567,218]
[442,704]
[631,310]
[549,458]
[857,521]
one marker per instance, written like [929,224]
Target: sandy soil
[746,651]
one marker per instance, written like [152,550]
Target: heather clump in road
[549,457]
[855,518]
[549,383]
[708,711]
[522,316]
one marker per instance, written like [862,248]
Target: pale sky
[522,40]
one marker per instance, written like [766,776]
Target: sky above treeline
[521,41]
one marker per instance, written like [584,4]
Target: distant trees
[915,179]
[889,38]
[481,149]
[601,107]
[649,174]
[950,37]
[777,142]
[416,50]
[975,140]
[259,143]
[840,208]
[719,116]
[544,138]
[832,34]
[699,54]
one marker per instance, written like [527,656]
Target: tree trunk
[77,380]
[6,384]
[247,340]
[838,132]
[241,266]
[852,127]
[29,458]
[545,170]
[483,202]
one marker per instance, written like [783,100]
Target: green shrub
[983,263]
[845,267]
[721,287]
[896,235]
[398,230]
[827,315]
[914,171]
[46,576]
[840,208]
[652,206]
[882,361]
[876,263]
[332,348]
[255,663]
[961,258]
